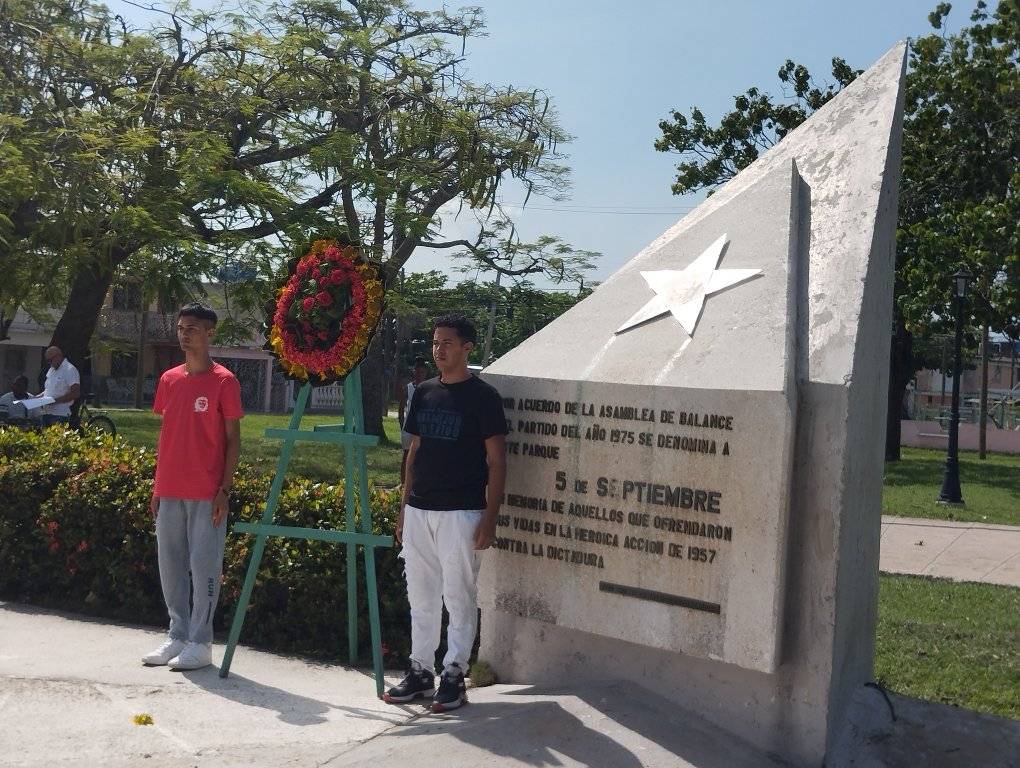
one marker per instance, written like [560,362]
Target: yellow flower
[143,719]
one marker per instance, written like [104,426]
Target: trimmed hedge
[76,534]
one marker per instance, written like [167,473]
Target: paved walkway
[951,550]
[70,687]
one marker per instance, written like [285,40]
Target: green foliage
[960,188]
[216,130]
[521,310]
[710,156]
[959,202]
[497,248]
[76,534]
[960,192]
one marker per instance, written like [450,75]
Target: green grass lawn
[313,460]
[991,488]
[955,643]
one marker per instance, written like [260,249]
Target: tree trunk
[5,325]
[901,369]
[373,398]
[76,326]
[490,331]
[143,330]
[983,407]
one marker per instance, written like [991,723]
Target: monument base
[756,708]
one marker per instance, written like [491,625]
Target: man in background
[418,375]
[63,384]
[19,391]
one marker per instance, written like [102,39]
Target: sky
[615,69]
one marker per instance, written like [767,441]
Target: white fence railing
[324,399]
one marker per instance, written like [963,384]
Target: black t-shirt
[453,422]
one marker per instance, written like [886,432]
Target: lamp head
[961,280]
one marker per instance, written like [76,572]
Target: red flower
[308,303]
[317,273]
[323,298]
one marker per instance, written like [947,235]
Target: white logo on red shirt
[201,404]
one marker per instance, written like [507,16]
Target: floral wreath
[325,313]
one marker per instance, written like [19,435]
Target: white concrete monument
[695,460]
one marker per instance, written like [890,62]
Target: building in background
[930,397]
[125,337]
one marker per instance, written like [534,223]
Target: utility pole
[951,493]
[983,407]
[491,330]
[945,366]
[143,332]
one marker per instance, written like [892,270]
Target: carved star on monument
[682,292]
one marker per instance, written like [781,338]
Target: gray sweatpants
[190,563]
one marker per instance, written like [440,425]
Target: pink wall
[927,434]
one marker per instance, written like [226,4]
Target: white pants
[441,566]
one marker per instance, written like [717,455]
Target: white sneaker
[164,653]
[194,656]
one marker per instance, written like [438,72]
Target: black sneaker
[418,683]
[452,692]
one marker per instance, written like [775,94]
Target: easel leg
[260,539]
[373,620]
[352,411]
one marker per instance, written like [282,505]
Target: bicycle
[97,421]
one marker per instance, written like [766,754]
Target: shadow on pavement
[291,708]
[530,726]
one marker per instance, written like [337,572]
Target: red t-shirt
[193,439]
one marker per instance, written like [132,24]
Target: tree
[711,156]
[521,309]
[169,279]
[961,176]
[497,249]
[316,116]
[959,190]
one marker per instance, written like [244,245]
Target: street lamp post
[951,493]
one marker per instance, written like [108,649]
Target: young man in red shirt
[199,442]
[453,489]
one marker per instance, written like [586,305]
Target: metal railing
[1003,415]
[126,325]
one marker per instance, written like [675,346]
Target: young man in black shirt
[456,468]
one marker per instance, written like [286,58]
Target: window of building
[14,362]
[127,296]
[123,364]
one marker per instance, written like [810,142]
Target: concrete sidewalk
[70,687]
[951,550]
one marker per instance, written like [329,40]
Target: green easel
[351,436]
